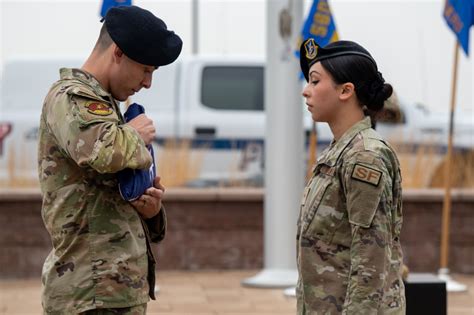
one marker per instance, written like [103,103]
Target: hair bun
[375,86]
[379,92]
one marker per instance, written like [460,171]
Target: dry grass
[18,161]
[463,171]
[418,165]
[423,167]
[178,162]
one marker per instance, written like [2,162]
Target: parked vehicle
[210,120]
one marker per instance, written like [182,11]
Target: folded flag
[134,182]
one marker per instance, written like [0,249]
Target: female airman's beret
[310,52]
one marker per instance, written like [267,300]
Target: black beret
[310,52]
[142,36]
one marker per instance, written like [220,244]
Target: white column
[284,147]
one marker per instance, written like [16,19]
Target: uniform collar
[336,147]
[86,78]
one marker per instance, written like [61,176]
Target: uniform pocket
[325,215]
[313,201]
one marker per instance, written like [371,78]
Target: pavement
[205,293]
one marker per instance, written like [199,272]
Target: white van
[210,120]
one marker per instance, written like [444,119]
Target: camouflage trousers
[134,310]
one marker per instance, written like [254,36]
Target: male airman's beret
[142,36]
[310,52]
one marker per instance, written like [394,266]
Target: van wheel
[462,174]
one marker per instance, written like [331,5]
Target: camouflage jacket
[101,256]
[348,236]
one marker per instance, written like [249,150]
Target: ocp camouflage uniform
[101,256]
[348,240]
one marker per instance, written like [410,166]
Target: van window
[232,88]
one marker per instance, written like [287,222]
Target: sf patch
[366,174]
[98,108]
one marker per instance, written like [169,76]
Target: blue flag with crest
[319,25]
[459,15]
[107,4]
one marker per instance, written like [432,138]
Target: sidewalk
[205,293]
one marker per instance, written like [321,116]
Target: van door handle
[205,131]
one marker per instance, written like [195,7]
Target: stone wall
[421,232]
[223,229]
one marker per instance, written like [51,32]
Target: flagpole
[446,215]
[195,26]
[312,148]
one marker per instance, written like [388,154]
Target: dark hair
[104,40]
[370,86]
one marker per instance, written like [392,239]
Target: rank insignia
[100,109]
[366,174]
[311,49]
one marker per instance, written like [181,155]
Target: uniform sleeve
[89,131]
[367,182]
[157,226]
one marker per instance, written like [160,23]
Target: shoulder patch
[366,174]
[97,108]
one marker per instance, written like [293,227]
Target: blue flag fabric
[459,15]
[133,183]
[319,25]
[107,4]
